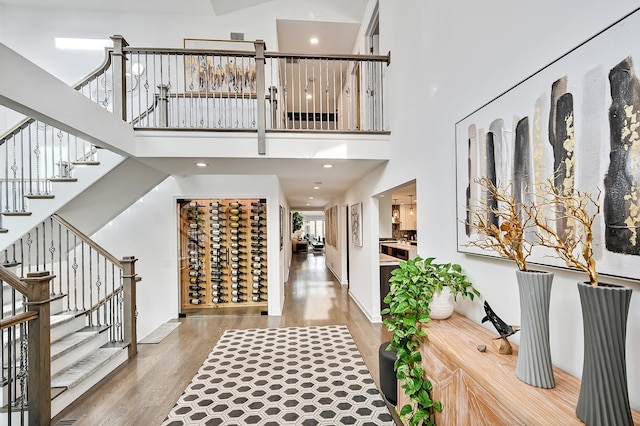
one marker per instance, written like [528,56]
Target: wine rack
[223,246]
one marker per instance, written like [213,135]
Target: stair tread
[64,317]
[76,373]
[70,342]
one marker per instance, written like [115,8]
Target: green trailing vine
[412,287]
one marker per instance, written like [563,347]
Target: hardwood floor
[145,389]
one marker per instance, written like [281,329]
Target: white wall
[449,58]
[149,230]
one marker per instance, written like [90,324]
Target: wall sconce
[411,208]
[395,213]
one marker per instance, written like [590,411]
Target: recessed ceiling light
[201,164]
[308,204]
[313,40]
[311,198]
[327,166]
[316,187]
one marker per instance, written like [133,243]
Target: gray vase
[534,365]
[604,397]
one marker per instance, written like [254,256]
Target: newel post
[39,348]
[163,104]
[260,96]
[119,67]
[129,286]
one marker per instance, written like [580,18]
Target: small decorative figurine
[505,330]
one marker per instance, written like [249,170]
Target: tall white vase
[534,364]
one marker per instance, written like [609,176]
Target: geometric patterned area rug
[282,376]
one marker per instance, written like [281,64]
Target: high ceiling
[297,177]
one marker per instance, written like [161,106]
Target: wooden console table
[480,388]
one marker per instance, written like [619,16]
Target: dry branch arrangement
[574,245]
[501,224]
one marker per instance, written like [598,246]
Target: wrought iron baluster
[52,251]
[68,272]
[29,242]
[89,282]
[98,285]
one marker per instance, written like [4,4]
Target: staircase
[90,304]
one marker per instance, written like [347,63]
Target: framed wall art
[576,123]
[356,224]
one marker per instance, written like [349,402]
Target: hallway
[144,389]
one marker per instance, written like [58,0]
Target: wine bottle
[256,272]
[235,204]
[196,274]
[237,232]
[195,267]
[237,266]
[234,238]
[237,293]
[237,252]
[215,239]
[195,294]
[237,286]
[257,259]
[237,300]
[257,279]
[258,252]
[194,225]
[217,293]
[257,238]
[258,299]
[217,280]
[258,204]
[237,272]
[258,225]
[195,280]
[194,245]
[237,245]
[195,205]
[214,225]
[216,287]
[195,259]
[195,301]
[214,246]
[216,204]
[258,291]
[195,288]
[238,259]
[194,253]
[216,272]
[235,225]
[257,285]
[257,245]
[218,300]
[256,265]
[237,279]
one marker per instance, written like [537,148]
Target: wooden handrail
[370,58]
[12,279]
[18,319]
[104,300]
[88,240]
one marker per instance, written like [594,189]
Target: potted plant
[412,286]
[501,224]
[450,282]
[603,392]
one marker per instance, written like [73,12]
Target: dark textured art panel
[622,182]
[571,126]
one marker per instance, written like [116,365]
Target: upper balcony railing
[250,90]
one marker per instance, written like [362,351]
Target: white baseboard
[374,319]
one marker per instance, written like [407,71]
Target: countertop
[386,260]
[400,246]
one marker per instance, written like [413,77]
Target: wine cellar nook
[223,246]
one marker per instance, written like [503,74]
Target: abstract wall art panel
[575,122]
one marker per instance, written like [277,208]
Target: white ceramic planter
[442,304]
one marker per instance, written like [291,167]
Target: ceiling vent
[237,36]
